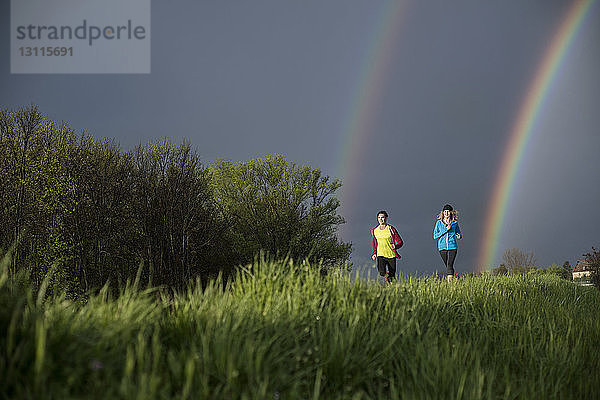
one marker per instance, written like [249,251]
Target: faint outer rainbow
[365,101]
[522,129]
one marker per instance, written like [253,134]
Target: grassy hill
[282,331]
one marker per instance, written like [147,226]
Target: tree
[96,212]
[518,261]
[279,207]
[35,192]
[567,272]
[553,270]
[593,259]
[88,212]
[103,224]
[176,215]
[501,270]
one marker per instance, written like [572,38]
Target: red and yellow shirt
[386,241]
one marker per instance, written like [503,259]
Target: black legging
[391,266]
[448,256]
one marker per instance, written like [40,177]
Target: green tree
[593,259]
[567,272]
[103,224]
[176,215]
[95,211]
[36,192]
[500,270]
[553,269]
[279,207]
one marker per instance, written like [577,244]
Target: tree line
[517,261]
[86,212]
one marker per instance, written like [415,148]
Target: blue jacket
[446,237]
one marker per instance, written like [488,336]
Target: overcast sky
[243,79]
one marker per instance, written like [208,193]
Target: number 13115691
[47,51]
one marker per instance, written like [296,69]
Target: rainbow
[366,99]
[523,128]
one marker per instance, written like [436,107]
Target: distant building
[582,270]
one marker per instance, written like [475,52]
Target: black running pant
[448,256]
[391,266]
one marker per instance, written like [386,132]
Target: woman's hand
[373,257]
[458,235]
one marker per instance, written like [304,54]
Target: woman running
[447,232]
[386,241]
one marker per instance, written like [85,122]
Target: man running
[386,241]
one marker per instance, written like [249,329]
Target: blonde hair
[453,215]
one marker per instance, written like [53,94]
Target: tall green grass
[283,331]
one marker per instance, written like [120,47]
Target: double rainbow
[368,93]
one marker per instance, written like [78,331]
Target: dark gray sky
[242,79]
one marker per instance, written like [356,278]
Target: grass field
[282,331]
